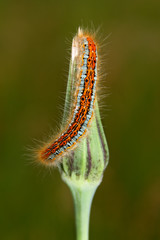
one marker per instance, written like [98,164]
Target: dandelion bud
[89,158]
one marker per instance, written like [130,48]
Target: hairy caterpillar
[84,59]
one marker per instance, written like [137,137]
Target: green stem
[82,202]
[83,192]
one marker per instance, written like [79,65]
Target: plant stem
[83,192]
[82,202]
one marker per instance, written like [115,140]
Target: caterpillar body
[84,54]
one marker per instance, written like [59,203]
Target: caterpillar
[84,54]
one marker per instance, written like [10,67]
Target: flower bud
[89,158]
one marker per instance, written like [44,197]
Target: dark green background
[34,202]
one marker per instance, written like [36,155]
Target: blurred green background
[34,202]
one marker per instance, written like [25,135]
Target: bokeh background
[35,38]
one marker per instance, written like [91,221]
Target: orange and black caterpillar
[84,52]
